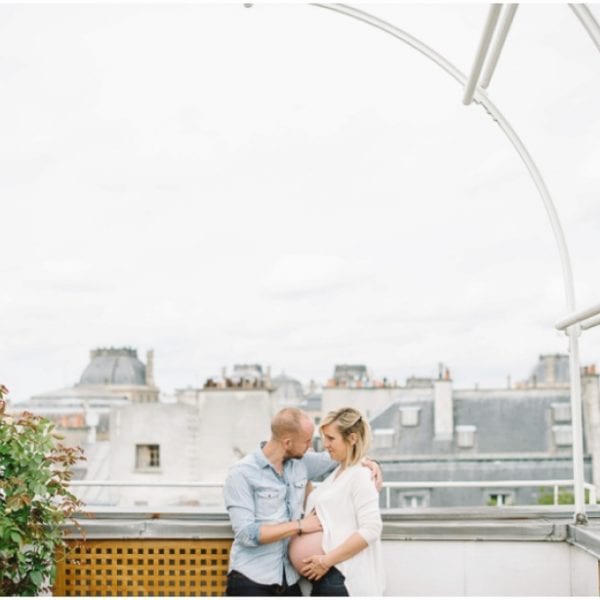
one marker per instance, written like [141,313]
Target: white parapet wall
[490,551]
[490,568]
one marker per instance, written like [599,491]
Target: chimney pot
[443,407]
[150,367]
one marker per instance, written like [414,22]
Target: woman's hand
[315,567]
[311,523]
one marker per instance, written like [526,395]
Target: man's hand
[376,474]
[268,534]
[311,523]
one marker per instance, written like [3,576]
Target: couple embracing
[284,527]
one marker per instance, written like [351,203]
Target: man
[264,495]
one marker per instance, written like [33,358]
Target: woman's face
[334,443]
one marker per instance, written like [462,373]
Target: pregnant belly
[303,546]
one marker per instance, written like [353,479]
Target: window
[147,456]
[561,412]
[563,435]
[465,436]
[500,499]
[383,438]
[409,416]
[413,499]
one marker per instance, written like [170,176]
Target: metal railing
[555,484]
[586,319]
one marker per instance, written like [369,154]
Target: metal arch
[480,97]
[508,14]
[586,16]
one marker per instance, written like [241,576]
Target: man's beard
[294,455]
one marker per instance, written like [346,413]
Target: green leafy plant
[546,496]
[34,500]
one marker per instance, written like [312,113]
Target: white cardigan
[346,505]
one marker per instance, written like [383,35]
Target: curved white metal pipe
[585,15]
[578,317]
[481,98]
[589,323]
[508,14]
[482,50]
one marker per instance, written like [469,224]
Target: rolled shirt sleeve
[365,499]
[239,502]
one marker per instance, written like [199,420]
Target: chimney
[150,367]
[443,407]
[549,369]
[590,397]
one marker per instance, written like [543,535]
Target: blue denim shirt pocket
[270,503]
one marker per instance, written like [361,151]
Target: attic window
[563,435]
[561,412]
[383,438]
[413,499]
[409,416]
[500,499]
[465,436]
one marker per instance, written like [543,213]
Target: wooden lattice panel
[143,568]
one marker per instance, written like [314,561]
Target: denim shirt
[255,494]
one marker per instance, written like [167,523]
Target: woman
[345,558]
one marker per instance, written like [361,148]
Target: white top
[350,504]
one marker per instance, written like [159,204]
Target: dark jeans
[331,584]
[240,585]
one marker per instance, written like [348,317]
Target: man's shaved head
[289,422]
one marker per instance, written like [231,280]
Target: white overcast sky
[288,186]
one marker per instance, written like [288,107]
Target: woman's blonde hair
[349,420]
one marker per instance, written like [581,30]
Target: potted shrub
[34,500]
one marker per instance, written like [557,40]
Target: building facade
[428,431]
[197,438]
[113,377]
